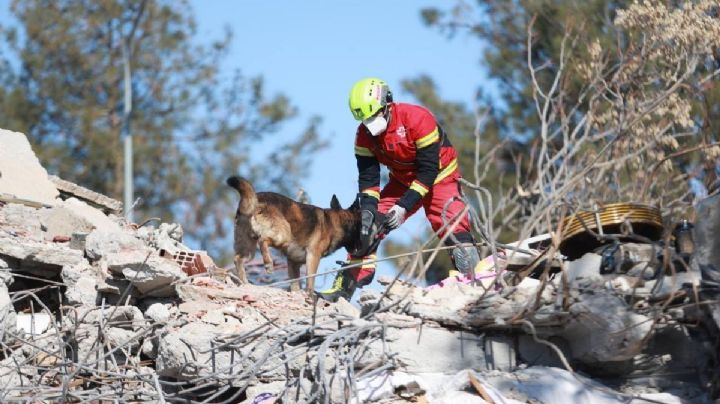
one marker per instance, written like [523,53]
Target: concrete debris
[130,312]
[21,175]
[100,201]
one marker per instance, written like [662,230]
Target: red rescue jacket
[411,147]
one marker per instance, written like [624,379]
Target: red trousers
[433,203]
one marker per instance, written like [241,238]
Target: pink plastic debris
[483,270]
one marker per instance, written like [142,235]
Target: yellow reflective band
[419,188]
[428,139]
[363,151]
[365,262]
[446,171]
[371,192]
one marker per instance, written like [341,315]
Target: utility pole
[127,134]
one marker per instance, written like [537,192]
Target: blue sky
[314,50]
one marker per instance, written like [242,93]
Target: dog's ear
[334,203]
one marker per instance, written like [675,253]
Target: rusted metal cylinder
[583,231]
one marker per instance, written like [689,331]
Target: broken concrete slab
[102,242]
[500,352]
[19,167]
[69,189]
[168,237]
[8,319]
[81,284]
[21,221]
[430,349]
[13,376]
[158,312]
[73,216]
[6,276]
[149,273]
[586,267]
[185,353]
[604,329]
[61,221]
[128,317]
[39,256]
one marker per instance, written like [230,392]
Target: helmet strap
[387,113]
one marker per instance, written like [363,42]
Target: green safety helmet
[367,97]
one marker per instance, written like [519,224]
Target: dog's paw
[269,268]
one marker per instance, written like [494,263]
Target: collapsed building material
[68,190]
[21,174]
[125,312]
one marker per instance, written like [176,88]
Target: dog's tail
[248,197]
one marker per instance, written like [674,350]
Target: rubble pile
[95,308]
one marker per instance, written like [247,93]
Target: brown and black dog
[304,233]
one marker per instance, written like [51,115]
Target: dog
[303,233]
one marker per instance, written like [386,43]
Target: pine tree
[192,126]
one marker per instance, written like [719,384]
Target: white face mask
[376,124]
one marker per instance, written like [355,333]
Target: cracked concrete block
[8,318]
[81,281]
[500,353]
[158,312]
[61,221]
[5,272]
[48,257]
[14,379]
[94,198]
[97,219]
[21,220]
[430,349]
[21,173]
[101,242]
[586,267]
[149,273]
[536,354]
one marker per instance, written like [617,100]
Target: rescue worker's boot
[344,286]
[465,258]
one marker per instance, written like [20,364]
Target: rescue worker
[423,172]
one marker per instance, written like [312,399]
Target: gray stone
[184,353]
[602,328]
[431,349]
[158,313]
[21,221]
[21,173]
[61,221]
[151,274]
[100,243]
[88,347]
[586,267]
[95,217]
[5,272]
[128,317]
[536,354]
[275,388]
[500,352]
[8,317]
[14,378]
[98,200]
[50,257]
[81,284]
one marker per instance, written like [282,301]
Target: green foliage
[192,127]
[502,28]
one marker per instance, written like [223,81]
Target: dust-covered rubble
[93,307]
